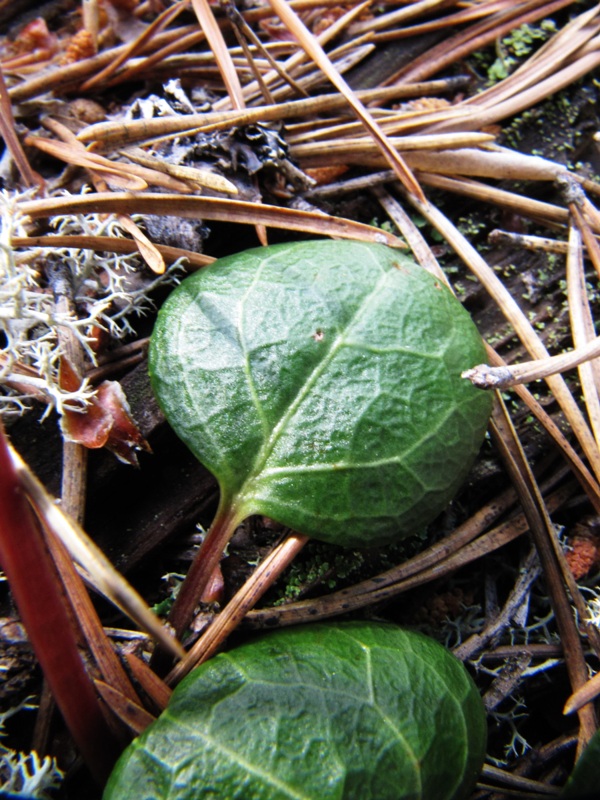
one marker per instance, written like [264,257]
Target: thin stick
[505,377]
[99,645]
[535,209]
[167,16]
[585,694]
[252,90]
[521,324]
[74,472]
[242,28]
[112,133]
[217,44]
[110,244]
[528,242]
[409,576]
[416,241]
[524,787]
[582,326]
[456,47]
[529,571]
[581,472]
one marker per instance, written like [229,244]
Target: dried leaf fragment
[106,422]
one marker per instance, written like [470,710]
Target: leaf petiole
[228,517]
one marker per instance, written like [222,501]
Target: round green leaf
[353,711]
[321,384]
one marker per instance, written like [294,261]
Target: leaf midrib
[268,446]
[242,343]
[236,758]
[375,464]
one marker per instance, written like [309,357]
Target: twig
[455,551]
[580,470]
[582,326]
[585,694]
[528,242]
[167,16]
[505,377]
[508,780]
[113,133]
[7,131]
[457,47]
[520,323]
[217,44]
[111,244]
[528,207]
[416,241]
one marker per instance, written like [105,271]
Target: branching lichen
[26,774]
[106,290]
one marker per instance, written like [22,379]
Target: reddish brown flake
[324,175]
[427,104]
[106,422]
[583,554]
[34,36]
[215,589]
[276,30]
[34,44]
[127,5]
[81,46]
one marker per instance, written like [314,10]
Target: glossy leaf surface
[353,711]
[320,382]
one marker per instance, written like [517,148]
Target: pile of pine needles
[382,103]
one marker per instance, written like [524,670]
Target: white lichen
[26,774]
[107,291]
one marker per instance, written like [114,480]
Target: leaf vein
[304,390]
[242,343]
[235,757]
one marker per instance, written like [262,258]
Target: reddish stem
[203,566]
[48,616]
[263,577]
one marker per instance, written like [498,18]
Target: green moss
[498,63]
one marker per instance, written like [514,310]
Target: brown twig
[455,551]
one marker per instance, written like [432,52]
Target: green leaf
[353,711]
[585,779]
[320,382]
